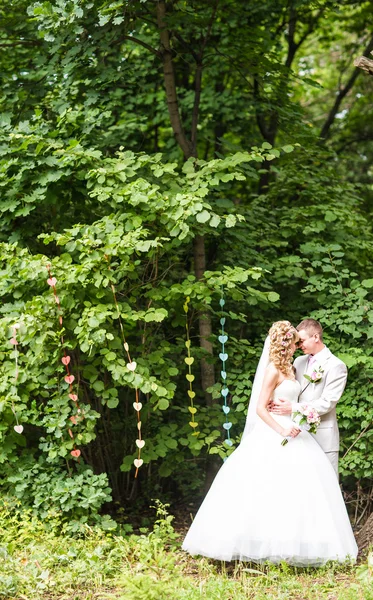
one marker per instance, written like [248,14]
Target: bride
[271,502]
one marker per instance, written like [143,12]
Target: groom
[328,377]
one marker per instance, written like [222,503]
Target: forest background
[172,168]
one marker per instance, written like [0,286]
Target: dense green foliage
[165,151]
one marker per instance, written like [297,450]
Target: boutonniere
[316,375]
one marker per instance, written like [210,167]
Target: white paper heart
[126,346]
[18,428]
[131,366]
[139,425]
[140,443]
[137,406]
[138,462]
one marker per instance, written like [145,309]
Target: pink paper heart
[73,397]
[138,462]
[60,319]
[65,360]
[57,299]
[69,379]
[70,433]
[75,453]
[13,341]
[131,366]
[18,428]
[73,420]
[137,406]
[140,443]
[52,281]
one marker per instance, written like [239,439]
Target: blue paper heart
[223,374]
[226,409]
[223,356]
[228,443]
[222,321]
[227,426]
[222,338]
[225,392]
[221,301]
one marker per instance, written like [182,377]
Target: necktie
[311,361]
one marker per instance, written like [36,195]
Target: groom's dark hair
[312,326]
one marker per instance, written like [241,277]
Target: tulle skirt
[274,503]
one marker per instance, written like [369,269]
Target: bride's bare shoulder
[272,371]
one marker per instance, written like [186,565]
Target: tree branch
[198,79]
[366,64]
[143,44]
[170,84]
[341,95]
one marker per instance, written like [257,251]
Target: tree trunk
[189,149]
[205,326]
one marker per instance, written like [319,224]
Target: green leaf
[230,221]
[203,216]
[112,402]
[215,220]
[273,296]
[163,404]
[330,216]
[367,283]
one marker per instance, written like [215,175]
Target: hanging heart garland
[66,359]
[14,341]
[131,366]
[223,355]
[189,360]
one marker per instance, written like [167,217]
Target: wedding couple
[274,502]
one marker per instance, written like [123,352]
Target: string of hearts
[69,377]
[223,338]
[131,366]
[14,341]
[189,360]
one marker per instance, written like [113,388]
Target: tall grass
[37,562]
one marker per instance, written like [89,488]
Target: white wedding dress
[274,503]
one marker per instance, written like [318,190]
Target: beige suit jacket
[323,396]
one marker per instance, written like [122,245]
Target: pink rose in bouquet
[306,418]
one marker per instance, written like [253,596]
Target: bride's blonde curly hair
[281,336]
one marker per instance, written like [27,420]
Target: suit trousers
[333,458]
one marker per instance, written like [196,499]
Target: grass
[36,562]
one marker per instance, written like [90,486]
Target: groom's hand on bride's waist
[280,407]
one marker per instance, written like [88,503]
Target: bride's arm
[269,383]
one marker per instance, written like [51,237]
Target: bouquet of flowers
[307,419]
